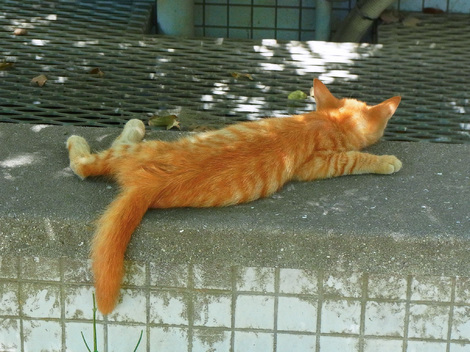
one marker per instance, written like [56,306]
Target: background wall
[286,19]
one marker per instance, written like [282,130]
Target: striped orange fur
[239,163]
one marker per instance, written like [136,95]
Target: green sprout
[95,348]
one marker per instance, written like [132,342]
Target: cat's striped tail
[114,230]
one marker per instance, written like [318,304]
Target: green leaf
[297,95]
[167,121]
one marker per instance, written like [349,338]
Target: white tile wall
[218,308]
[289,19]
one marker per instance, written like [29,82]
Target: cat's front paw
[388,164]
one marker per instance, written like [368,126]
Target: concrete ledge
[415,221]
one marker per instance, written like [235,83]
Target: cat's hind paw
[134,132]
[78,150]
[388,164]
[77,146]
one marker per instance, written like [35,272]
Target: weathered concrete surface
[416,221]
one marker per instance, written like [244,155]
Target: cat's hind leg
[133,132]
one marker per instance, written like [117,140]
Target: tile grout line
[319,308]
[362,319]
[147,303]
[20,303]
[192,295]
[234,272]
[407,313]
[62,301]
[451,313]
[277,284]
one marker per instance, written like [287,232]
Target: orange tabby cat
[236,164]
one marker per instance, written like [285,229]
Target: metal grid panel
[192,78]
[69,18]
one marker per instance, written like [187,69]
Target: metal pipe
[360,19]
[175,17]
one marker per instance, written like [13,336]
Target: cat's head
[355,116]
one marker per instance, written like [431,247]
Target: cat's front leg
[387,164]
[332,164]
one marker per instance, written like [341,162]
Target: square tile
[297,314]
[215,32]
[254,312]
[287,34]
[459,6]
[264,17]
[79,303]
[431,288]
[335,344]
[341,316]
[73,336]
[288,18]
[298,281]
[387,286]
[42,335]
[264,34]
[420,346]
[169,275]
[308,19]
[8,267]
[40,268]
[216,15]
[439,4]
[169,339]
[461,323]
[343,285]
[126,337]
[135,274]
[77,270]
[462,289]
[255,279]
[290,342]
[168,307]
[217,277]
[427,321]
[240,16]
[10,335]
[214,310]
[411,5]
[205,340]
[9,292]
[239,33]
[253,341]
[456,347]
[41,300]
[132,307]
[375,345]
[385,319]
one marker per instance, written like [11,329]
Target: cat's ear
[386,109]
[323,97]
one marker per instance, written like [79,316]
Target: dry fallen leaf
[411,21]
[390,16]
[433,10]
[238,75]
[167,121]
[6,65]
[96,71]
[297,95]
[39,80]
[20,31]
